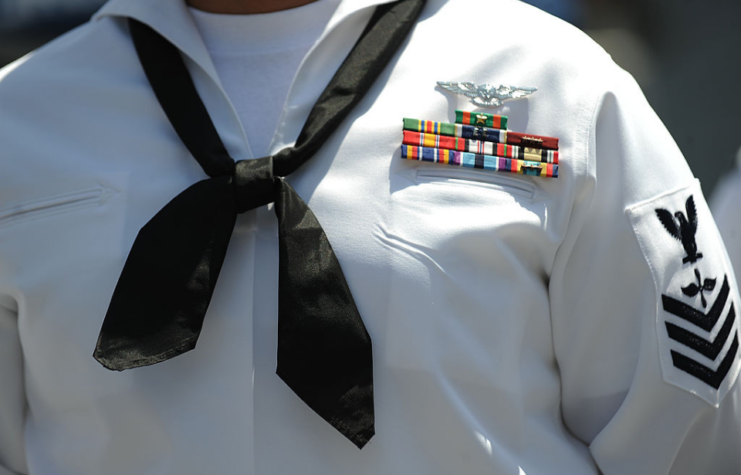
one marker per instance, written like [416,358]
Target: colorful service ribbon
[480,140]
[481,118]
[474,160]
[480,147]
[481,133]
[456,130]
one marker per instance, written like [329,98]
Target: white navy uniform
[521,325]
[724,206]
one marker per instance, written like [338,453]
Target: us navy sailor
[520,324]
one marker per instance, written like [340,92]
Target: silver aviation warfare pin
[487,95]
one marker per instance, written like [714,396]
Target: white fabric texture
[256,58]
[513,317]
[725,208]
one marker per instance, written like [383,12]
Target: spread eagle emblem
[683,228]
[487,95]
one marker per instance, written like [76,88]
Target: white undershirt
[257,57]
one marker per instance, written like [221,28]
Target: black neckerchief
[160,301]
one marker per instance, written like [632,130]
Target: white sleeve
[725,207]
[638,379]
[12,394]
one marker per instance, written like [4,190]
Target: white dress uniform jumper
[549,295]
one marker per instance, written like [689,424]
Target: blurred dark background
[684,54]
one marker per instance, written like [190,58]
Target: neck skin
[246,7]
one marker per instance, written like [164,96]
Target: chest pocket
[62,247]
[92,196]
[76,226]
[469,251]
[454,176]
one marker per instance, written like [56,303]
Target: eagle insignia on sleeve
[682,228]
[696,326]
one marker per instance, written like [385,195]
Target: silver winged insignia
[487,95]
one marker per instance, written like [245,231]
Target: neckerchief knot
[254,184]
